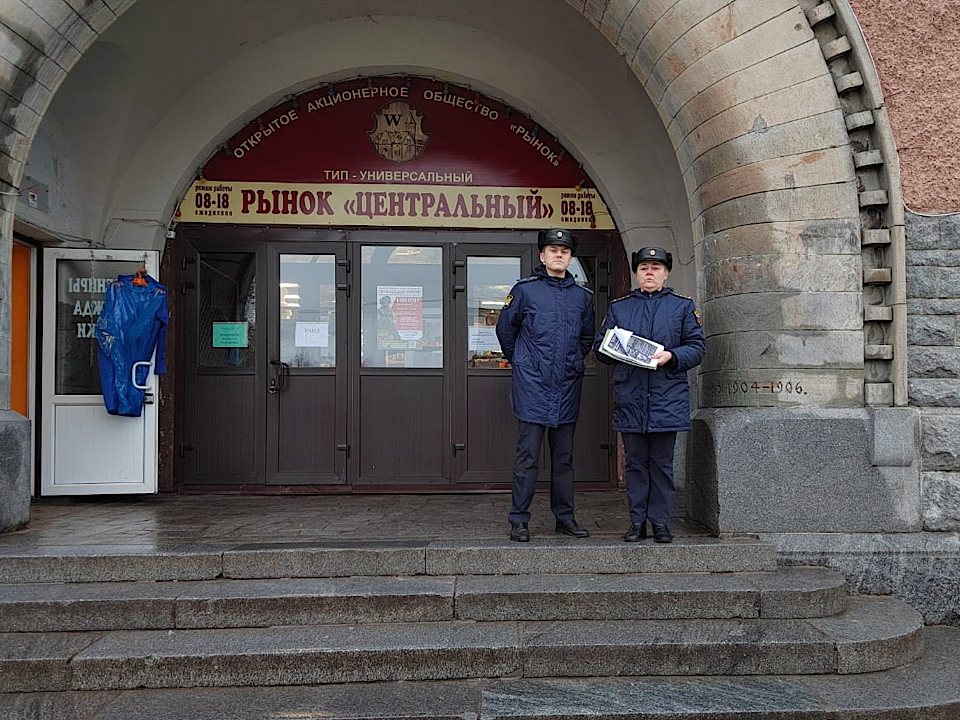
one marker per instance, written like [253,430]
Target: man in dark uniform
[651,406]
[545,330]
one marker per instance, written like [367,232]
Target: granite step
[873,634]
[923,690]
[55,564]
[599,556]
[795,592]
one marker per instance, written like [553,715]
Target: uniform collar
[641,293]
[541,272]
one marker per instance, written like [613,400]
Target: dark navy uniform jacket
[654,400]
[545,330]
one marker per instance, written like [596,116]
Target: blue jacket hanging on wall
[132,324]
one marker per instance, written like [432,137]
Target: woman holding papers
[650,406]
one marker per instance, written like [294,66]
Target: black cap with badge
[651,253]
[557,236]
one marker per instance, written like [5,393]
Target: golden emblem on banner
[398,135]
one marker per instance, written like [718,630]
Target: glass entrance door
[401,391]
[86,451]
[373,366]
[306,383]
[484,429]
[265,379]
[223,422]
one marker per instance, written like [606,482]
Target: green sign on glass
[229,334]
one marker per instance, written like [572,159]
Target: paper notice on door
[484,339]
[312,334]
[229,335]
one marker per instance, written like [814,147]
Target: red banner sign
[395,151]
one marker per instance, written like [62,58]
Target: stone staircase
[702,628]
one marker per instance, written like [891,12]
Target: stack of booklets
[632,349]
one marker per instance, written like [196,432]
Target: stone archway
[776,120]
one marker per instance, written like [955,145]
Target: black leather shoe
[570,527]
[661,533]
[519,532]
[637,532]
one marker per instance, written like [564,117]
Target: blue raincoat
[132,324]
[545,330]
[646,401]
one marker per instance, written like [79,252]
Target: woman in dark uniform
[651,406]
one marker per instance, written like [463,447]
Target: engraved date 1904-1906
[778,387]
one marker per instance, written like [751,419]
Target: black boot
[661,534]
[570,527]
[519,532]
[637,532]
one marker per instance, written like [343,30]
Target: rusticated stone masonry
[759,134]
[933,334]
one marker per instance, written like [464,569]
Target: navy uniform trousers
[526,468]
[648,475]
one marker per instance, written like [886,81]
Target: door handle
[133,374]
[277,383]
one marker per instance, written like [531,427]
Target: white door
[84,450]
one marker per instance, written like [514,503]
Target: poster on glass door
[399,317]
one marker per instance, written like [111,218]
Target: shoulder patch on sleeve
[511,296]
[698,317]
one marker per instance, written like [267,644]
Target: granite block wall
[933,369]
